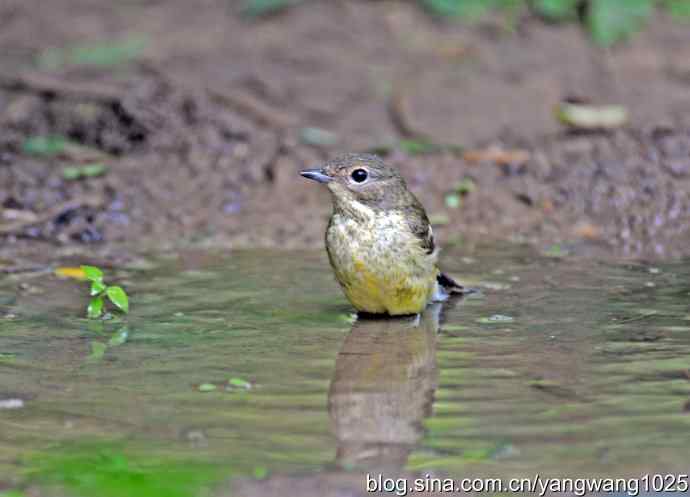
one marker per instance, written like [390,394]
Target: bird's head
[362,180]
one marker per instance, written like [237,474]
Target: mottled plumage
[379,240]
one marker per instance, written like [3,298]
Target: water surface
[561,366]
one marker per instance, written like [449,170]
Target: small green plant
[606,21]
[611,21]
[100,291]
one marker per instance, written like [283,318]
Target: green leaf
[72,173]
[92,273]
[610,21]
[556,10]
[207,387]
[239,383]
[97,287]
[45,146]
[118,297]
[95,308]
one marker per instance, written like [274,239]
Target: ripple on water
[560,366]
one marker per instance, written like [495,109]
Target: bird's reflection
[383,387]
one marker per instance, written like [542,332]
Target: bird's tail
[445,287]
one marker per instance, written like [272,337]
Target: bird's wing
[448,284]
[421,228]
[428,243]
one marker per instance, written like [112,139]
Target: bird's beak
[316,175]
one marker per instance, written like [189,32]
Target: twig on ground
[42,84]
[50,213]
[246,102]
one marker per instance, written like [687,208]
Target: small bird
[379,240]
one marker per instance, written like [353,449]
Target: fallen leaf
[70,272]
[591,117]
[453,50]
[587,231]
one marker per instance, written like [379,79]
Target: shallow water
[561,366]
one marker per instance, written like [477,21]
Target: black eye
[359,175]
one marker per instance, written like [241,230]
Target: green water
[562,366]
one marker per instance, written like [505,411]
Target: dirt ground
[204,133]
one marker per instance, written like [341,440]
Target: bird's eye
[359,175]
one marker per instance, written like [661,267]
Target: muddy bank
[200,135]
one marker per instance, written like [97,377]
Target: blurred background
[562,123]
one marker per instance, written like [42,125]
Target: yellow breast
[381,265]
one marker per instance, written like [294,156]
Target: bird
[379,241]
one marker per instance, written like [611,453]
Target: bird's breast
[380,263]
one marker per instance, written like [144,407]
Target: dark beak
[316,175]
